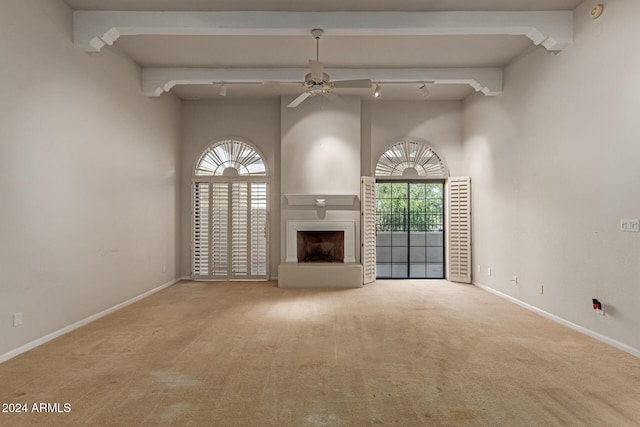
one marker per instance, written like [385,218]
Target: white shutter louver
[368,207]
[258,228]
[460,229]
[239,229]
[200,238]
[219,228]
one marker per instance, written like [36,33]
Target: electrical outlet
[479,268]
[598,306]
[514,280]
[631,225]
[17,319]
[488,271]
[540,289]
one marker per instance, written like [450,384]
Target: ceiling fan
[317,82]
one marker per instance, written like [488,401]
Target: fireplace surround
[346,227]
[295,274]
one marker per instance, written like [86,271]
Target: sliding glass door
[410,229]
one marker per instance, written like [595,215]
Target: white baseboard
[204,280]
[581,329]
[38,342]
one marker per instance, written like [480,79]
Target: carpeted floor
[395,353]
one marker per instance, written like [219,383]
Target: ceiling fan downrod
[317,33]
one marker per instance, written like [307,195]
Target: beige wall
[88,184]
[255,121]
[554,167]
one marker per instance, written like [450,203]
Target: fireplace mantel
[348,227]
[320,200]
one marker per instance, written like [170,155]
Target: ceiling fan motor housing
[309,82]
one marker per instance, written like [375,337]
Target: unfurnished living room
[319,212]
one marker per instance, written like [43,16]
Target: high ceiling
[324,5]
[346,47]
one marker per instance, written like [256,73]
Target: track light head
[424,90]
[376,92]
[223,90]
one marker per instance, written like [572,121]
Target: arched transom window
[411,159]
[230,158]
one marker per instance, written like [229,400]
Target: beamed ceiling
[261,48]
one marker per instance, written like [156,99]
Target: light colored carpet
[395,353]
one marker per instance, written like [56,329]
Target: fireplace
[320,242]
[320,246]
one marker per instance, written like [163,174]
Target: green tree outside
[402,206]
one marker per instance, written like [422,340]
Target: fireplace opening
[320,246]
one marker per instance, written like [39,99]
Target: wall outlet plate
[17,319]
[488,271]
[540,289]
[630,225]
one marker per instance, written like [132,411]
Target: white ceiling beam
[93,29]
[155,81]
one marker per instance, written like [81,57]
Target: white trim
[42,340]
[610,341]
[348,227]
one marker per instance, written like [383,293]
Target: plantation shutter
[460,229]
[239,229]
[368,227]
[259,240]
[219,229]
[200,238]
[229,235]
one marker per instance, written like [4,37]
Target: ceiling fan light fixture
[317,82]
[376,92]
[223,90]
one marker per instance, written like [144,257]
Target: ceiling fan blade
[352,84]
[299,99]
[317,70]
[335,98]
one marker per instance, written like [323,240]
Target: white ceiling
[336,51]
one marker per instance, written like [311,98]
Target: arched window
[230,158]
[411,159]
[230,212]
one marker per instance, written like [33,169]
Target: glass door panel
[410,228]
